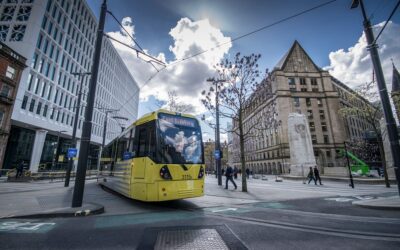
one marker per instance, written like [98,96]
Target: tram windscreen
[180,140]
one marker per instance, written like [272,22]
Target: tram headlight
[165,174]
[201,172]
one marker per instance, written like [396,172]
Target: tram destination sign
[178,120]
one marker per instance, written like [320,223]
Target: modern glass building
[57,37]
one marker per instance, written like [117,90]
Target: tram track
[312,229]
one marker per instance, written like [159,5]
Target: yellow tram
[158,158]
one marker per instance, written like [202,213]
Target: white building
[57,37]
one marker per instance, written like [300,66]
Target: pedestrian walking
[235,172]
[20,169]
[248,173]
[229,175]
[316,175]
[311,177]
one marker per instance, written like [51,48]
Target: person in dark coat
[229,175]
[248,173]
[20,169]
[316,175]
[235,172]
[310,176]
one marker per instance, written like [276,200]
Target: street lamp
[77,109]
[56,148]
[387,109]
[217,137]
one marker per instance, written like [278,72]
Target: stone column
[37,150]
[300,144]
[388,152]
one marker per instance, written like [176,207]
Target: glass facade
[19,147]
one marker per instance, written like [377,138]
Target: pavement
[43,199]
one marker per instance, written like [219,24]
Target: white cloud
[353,66]
[187,78]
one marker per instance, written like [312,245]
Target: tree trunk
[383,159]
[242,159]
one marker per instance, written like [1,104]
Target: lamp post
[81,76]
[217,137]
[387,109]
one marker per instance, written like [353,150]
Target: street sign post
[217,154]
[72,152]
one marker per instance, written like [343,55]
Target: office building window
[310,114]
[314,139]
[39,107]
[32,105]
[296,101]
[324,127]
[308,102]
[5,90]
[321,114]
[10,73]
[8,13]
[45,110]
[24,102]
[1,117]
[18,33]
[326,139]
[303,89]
[291,81]
[313,81]
[3,32]
[302,81]
[23,13]
[319,101]
[312,126]
[314,89]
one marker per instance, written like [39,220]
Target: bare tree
[361,107]
[239,96]
[173,104]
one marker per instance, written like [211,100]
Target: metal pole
[77,109]
[348,165]
[387,109]
[56,150]
[102,143]
[87,125]
[218,144]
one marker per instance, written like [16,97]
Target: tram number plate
[187,177]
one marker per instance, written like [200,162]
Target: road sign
[72,152]
[217,154]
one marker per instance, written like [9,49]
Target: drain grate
[190,239]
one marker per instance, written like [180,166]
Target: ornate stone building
[298,85]
[396,91]
[11,66]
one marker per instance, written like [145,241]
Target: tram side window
[142,142]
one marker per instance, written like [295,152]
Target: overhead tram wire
[234,39]
[133,39]
[384,26]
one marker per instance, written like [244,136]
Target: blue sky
[333,28]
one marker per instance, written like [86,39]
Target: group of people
[313,175]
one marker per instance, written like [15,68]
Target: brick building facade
[11,67]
